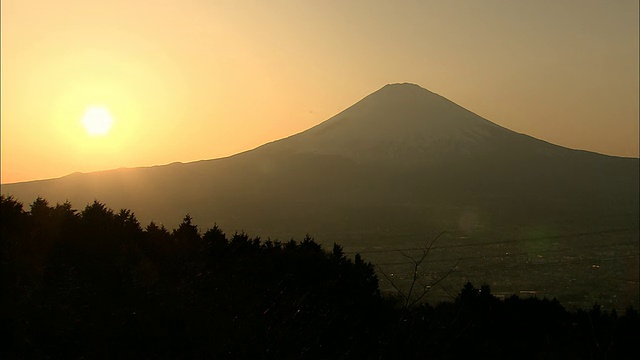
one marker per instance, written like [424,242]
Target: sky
[199,79]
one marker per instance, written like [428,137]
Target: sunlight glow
[97,121]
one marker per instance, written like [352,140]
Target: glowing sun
[97,120]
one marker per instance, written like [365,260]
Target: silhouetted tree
[215,241]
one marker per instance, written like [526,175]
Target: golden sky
[199,79]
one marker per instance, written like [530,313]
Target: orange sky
[199,79]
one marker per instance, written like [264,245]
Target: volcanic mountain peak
[403,123]
[402,89]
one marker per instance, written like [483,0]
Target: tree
[418,286]
[186,231]
[215,240]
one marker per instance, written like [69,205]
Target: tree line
[95,283]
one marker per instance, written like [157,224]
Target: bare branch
[393,284]
[417,275]
[428,287]
[447,274]
[433,242]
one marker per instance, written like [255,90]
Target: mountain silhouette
[401,160]
[404,124]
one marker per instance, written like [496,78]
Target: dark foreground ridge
[95,284]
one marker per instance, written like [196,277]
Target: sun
[97,120]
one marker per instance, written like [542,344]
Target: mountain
[404,124]
[388,172]
[400,146]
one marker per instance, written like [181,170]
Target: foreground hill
[395,168]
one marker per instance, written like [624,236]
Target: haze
[191,80]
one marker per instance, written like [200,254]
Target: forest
[95,283]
